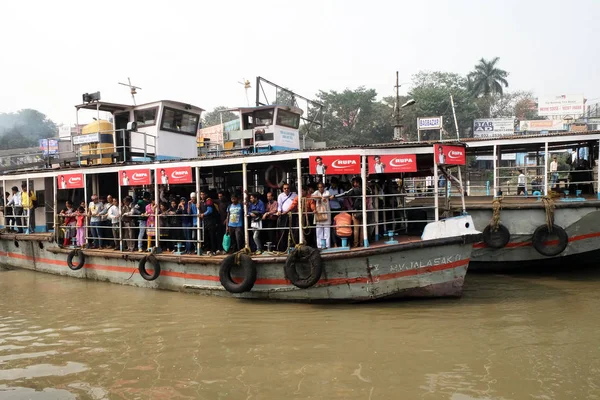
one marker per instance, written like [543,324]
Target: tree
[487,78]
[214,117]
[24,128]
[354,117]
[431,92]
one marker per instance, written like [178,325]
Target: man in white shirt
[521,183]
[554,171]
[16,201]
[284,204]
[379,166]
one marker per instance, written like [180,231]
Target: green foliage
[487,78]
[355,117]
[24,128]
[213,117]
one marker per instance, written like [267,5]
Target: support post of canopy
[363,175]
[495,185]
[55,225]
[245,203]
[300,208]
[546,158]
[436,188]
[156,211]
[86,219]
[377,213]
[28,213]
[462,191]
[120,218]
[4,190]
[198,246]
[597,172]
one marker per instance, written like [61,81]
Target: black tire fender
[540,239]
[155,267]
[80,255]
[275,170]
[304,255]
[249,273]
[497,239]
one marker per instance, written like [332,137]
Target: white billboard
[85,139]
[542,125]
[429,123]
[571,104]
[493,127]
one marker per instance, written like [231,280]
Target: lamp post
[397,107]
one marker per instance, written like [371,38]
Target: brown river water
[509,337]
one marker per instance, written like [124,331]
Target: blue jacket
[258,208]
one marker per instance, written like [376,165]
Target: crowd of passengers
[330,212]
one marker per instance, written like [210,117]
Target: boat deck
[408,241]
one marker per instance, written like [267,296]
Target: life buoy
[550,243]
[308,256]
[155,268]
[496,239]
[80,255]
[279,175]
[249,273]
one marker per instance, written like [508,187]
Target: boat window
[263,117]
[289,119]
[145,117]
[179,121]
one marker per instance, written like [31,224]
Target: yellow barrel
[106,144]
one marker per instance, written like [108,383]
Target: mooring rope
[549,206]
[496,207]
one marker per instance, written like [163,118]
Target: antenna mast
[132,89]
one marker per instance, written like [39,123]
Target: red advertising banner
[449,155]
[171,176]
[391,163]
[334,165]
[135,177]
[70,181]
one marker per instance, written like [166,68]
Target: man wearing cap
[192,211]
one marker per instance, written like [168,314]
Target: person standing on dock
[16,202]
[94,209]
[235,224]
[322,216]
[29,201]
[521,183]
[554,172]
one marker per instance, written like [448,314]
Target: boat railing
[141,146]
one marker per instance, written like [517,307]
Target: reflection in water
[509,337]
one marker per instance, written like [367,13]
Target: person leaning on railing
[127,223]
[114,215]
[69,222]
[355,192]
[29,202]
[269,218]
[16,202]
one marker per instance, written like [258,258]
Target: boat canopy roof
[525,143]
[115,107]
[242,110]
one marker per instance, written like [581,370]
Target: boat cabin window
[263,117]
[289,119]
[146,117]
[179,121]
[247,121]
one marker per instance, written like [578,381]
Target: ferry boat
[543,218]
[152,150]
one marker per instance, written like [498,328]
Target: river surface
[509,337]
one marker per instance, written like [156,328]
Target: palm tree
[487,79]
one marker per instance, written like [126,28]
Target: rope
[496,207]
[549,207]
[238,254]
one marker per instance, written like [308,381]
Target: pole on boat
[55,205]
[597,171]
[245,203]
[419,133]
[363,175]
[462,190]
[156,210]
[435,188]
[198,249]
[5,202]
[300,226]
[85,198]
[546,158]
[495,172]
[120,217]
[28,219]
[376,190]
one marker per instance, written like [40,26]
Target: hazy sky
[197,51]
